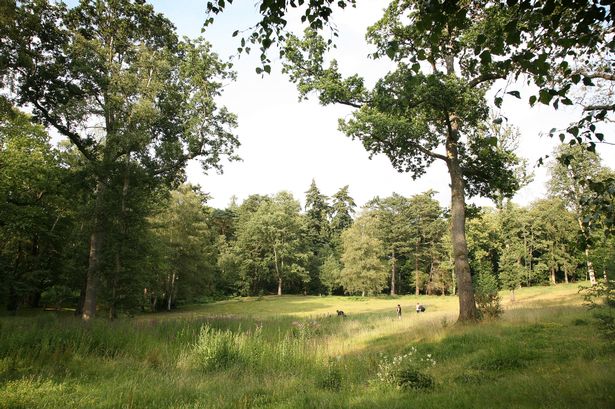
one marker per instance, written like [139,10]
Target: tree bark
[95,256]
[171,289]
[590,265]
[277,270]
[467,303]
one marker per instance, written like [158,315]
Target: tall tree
[394,230]
[189,240]
[342,208]
[317,212]
[554,231]
[363,269]
[431,107]
[113,78]
[427,228]
[512,248]
[35,210]
[569,181]
[274,237]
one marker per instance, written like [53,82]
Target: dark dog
[340,313]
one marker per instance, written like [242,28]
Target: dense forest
[104,221]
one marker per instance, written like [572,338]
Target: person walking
[398,311]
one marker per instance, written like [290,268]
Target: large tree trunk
[467,304]
[120,246]
[95,256]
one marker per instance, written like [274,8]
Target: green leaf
[485,57]
[498,102]
[533,100]
[515,94]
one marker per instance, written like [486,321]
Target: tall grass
[544,352]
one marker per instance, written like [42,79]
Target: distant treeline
[164,246]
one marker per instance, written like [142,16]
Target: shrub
[600,298]
[487,297]
[406,371]
[413,379]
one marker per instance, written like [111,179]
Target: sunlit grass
[294,352]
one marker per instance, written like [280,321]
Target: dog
[340,313]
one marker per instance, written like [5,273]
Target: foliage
[330,273]
[600,299]
[487,296]
[271,28]
[134,100]
[38,200]
[363,269]
[406,371]
[434,98]
[271,238]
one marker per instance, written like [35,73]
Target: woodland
[121,286]
[103,221]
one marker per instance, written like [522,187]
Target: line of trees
[136,103]
[166,247]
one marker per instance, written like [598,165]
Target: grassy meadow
[294,352]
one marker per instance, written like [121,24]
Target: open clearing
[294,352]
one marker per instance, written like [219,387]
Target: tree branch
[600,108]
[349,103]
[64,130]
[599,74]
[484,78]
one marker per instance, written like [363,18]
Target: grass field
[293,352]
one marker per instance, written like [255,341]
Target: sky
[286,143]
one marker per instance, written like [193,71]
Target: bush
[600,298]
[406,371]
[413,379]
[487,297]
